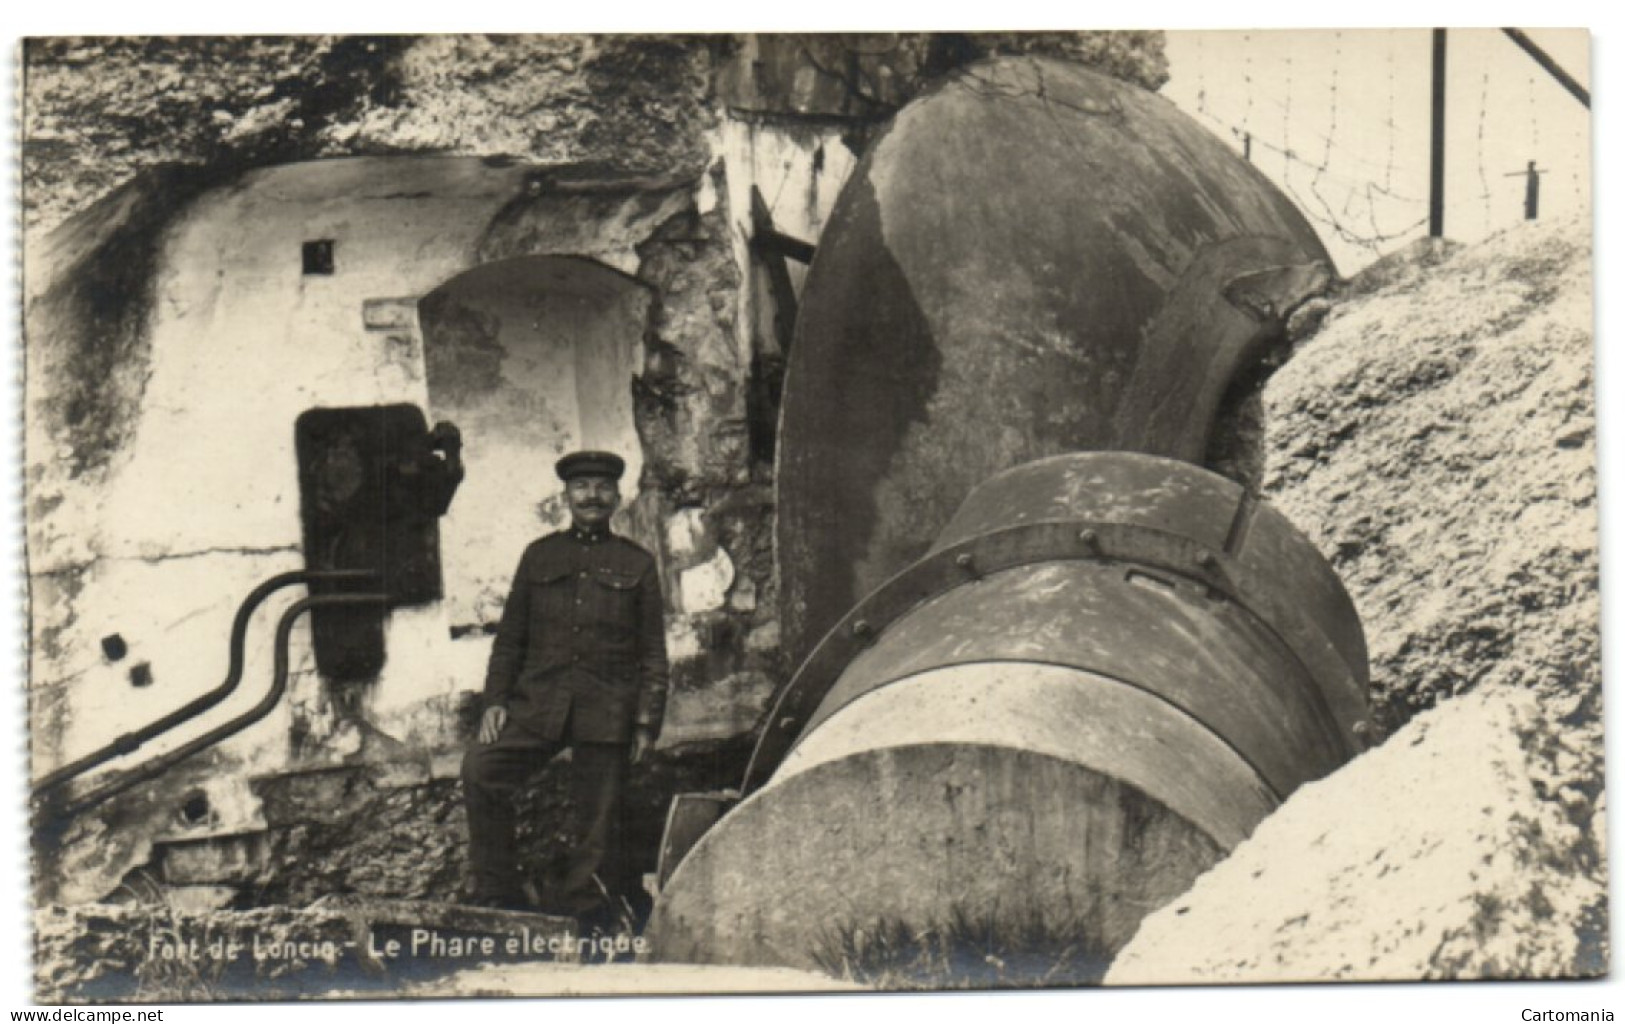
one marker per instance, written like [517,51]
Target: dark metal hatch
[373,482]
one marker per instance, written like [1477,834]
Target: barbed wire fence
[1341,123]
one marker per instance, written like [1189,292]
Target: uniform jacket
[582,640]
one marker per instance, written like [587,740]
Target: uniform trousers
[493,774]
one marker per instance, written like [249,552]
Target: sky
[1341,121]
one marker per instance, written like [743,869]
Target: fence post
[1531,190]
[1436,182]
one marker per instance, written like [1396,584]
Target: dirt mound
[1435,438]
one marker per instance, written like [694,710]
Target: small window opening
[114,647]
[318,256]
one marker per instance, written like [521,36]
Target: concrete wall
[540,311]
[542,239]
[201,499]
[192,496]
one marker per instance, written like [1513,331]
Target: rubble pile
[1435,438]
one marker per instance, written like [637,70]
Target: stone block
[389,314]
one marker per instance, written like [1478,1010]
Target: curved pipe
[279,686]
[131,741]
[1089,270]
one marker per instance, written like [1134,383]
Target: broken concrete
[1471,870]
[1436,439]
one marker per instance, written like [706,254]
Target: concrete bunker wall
[446,158]
[539,316]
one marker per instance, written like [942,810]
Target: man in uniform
[579,661]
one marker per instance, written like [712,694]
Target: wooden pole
[1531,190]
[1552,67]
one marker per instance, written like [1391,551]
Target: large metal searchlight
[1051,669]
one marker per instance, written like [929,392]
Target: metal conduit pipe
[1106,671]
[131,741]
[161,763]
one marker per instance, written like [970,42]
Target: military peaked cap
[590,464]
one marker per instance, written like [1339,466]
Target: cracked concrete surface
[1435,438]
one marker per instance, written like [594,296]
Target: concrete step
[451,917]
[199,899]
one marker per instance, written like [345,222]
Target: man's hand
[643,741]
[445,437]
[491,724]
